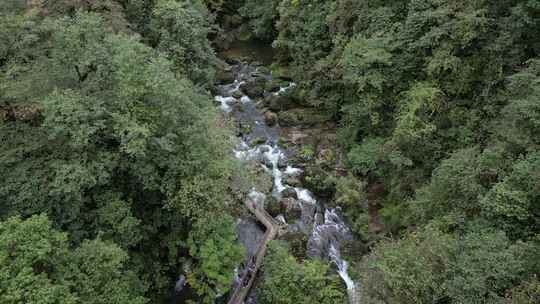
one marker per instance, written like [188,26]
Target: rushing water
[326,229]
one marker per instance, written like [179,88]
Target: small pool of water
[254,49]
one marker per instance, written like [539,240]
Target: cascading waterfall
[328,232]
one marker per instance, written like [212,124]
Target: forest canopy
[114,144]
[437,104]
[116,168]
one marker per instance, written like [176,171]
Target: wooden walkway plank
[241,291]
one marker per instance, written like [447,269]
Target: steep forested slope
[438,110]
[111,135]
[115,167]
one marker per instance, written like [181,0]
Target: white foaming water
[305,195]
[243,152]
[245,99]
[284,89]
[273,156]
[224,101]
[257,197]
[281,218]
[243,145]
[342,266]
[292,171]
[236,279]
[326,237]
[278,181]
[331,232]
[236,86]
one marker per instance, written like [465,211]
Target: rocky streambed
[251,96]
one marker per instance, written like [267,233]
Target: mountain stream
[325,227]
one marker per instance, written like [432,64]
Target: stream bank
[278,134]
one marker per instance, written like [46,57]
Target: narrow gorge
[245,100]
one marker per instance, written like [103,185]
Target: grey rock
[292,181]
[270,118]
[258,141]
[249,235]
[291,208]
[264,149]
[289,193]
[263,70]
[279,102]
[224,76]
[237,94]
[282,162]
[254,88]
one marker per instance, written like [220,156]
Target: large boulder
[273,206]
[263,70]
[254,88]
[259,140]
[273,86]
[281,72]
[224,77]
[293,181]
[279,102]
[289,193]
[291,209]
[250,235]
[224,73]
[302,117]
[270,118]
[282,162]
[237,94]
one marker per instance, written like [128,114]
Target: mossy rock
[263,70]
[273,206]
[275,84]
[237,94]
[224,73]
[300,96]
[291,209]
[302,117]
[326,158]
[319,181]
[270,118]
[254,88]
[293,181]
[258,141]
[279,102]
[289,193]
[224,77]
[244,129]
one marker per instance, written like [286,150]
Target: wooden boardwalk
[272,228]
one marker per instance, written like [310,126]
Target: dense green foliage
[180,29]
[116,174]
[286,281]
[433,267]
[113,141]
[438,102]
[37,265]
[213,244]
